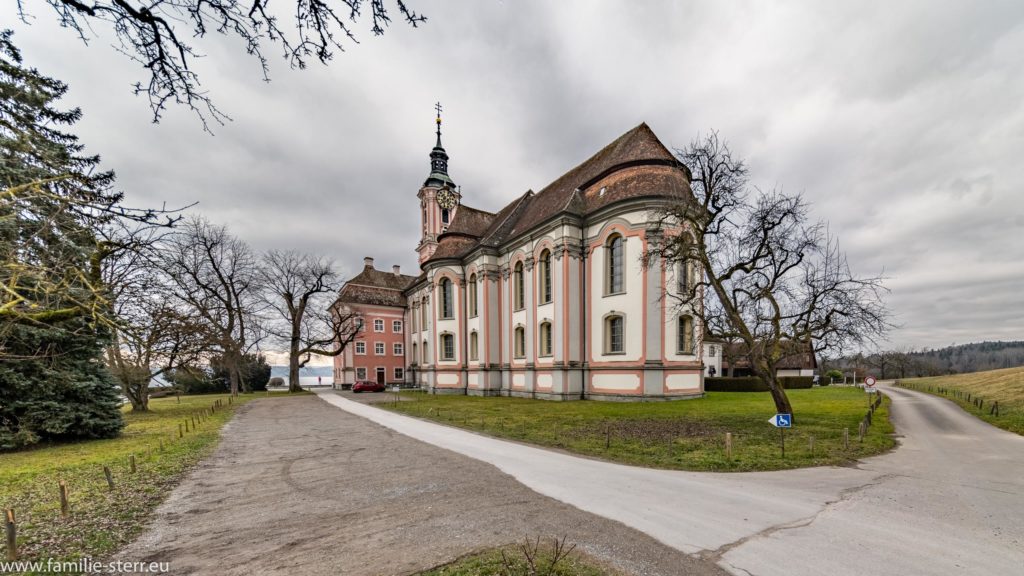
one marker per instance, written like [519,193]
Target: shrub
[796,382]
[276,382]
[754,384]
[741,384]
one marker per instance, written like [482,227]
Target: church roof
[375,287]
[634,165]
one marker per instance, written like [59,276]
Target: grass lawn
[684,434]
[512,560]
[1004,386]
[102,520]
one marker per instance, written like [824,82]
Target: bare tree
[765,275]
[214,276]
[152,333]
[299,289]
[157,34]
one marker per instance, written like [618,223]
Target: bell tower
[439,198]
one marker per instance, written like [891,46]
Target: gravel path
[299,487]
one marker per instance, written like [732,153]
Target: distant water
[308,376]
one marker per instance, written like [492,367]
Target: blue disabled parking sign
[781,421]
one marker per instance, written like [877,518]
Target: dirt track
[299,487]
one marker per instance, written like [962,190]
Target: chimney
[397,270]
[368,262]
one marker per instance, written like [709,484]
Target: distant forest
[907,363]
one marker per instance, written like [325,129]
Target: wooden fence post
[180,433]
[64,508]
[846,438]
[110,477]
[12,534]
[131,463]
[728,446]
[607,436]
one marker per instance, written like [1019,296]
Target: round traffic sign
[870,381]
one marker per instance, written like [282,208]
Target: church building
[546,297]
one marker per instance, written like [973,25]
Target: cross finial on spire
[437,107]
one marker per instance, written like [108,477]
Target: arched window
[426,352]
[545,339]
[520,343]
[447,346]
[424,321]
[518,287]
[614,335]
[683,275]
[545,276]
[615,264]
[447,302]
[474,341]
[415,352]
[471,294]
[685,336]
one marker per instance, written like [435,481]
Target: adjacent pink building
[378,352]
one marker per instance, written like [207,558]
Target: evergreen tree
[54,203]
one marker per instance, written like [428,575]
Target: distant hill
[974,357]
[957,359]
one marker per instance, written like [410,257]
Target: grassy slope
[686,435]
[1004,386]
[101,521]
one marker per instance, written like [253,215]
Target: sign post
[782,421]
[869,387]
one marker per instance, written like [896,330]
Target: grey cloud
[901,123]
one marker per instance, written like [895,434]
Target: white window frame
[444,349]
[363,370]
[379,349]
[396,326]
[399,373]
[548,350]
[378,325]
[361,348]
[397,349]
[608,349]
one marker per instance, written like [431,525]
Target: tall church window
[615,264]
[447,301]
[445,215]
[520,343]
[447,346]
[426,352]
[415,352]
[613,335]
[518,287]
[474,345]
[424,321]
[545,339]
[471,294]
[545,277]
[684,277]
[685,336]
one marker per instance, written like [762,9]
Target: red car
[367,386]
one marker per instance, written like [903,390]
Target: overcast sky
[902,122]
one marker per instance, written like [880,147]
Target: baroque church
[544,298]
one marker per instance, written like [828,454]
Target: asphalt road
[949,500]
[299,488]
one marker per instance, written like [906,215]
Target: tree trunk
[767,373]
[293,372]
[233,373]
[293,358]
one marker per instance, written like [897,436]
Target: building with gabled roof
[547,297]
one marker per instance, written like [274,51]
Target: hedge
[754,384]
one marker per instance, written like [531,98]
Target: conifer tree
[54,315]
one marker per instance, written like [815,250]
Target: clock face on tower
[446,199]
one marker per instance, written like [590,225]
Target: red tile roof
[635,165]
